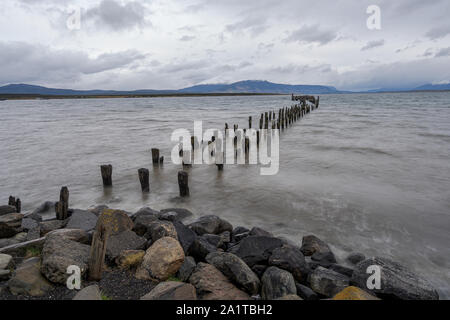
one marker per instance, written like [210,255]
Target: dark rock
[397,281]
[200,248]
[355,258]
[214,239]
[186,269]
[327,282]
[126,240]
[210,224]
[4,276]
[34,234]
[46,208]
[256,249]
[7,209]
[90,293]
[185,235]
[305,293]
[76,235]
[10,224]
[81,219]
[324,259]
[311,244]
[146,211]
[260,232]
[291,259]
[346,271]
[27,279]
[277,283]
[175,214]
[259,269]
[236,238]
[142,224]
[51,225]
[29,224]
[235,270]
[172,290]
[160,229]
[239,230]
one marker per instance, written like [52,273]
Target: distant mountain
[433,87]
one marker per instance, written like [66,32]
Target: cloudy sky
[170,44]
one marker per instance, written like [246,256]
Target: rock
[256,249]
[126,240]
[10,224]
[277,283]
[6,261]
[82,219]
[34,234]
[260,232]
[186,236]
[27,279]
[327,282]
[354,293]
[290,259]
[306,293]
[97,210]
[20,237]
[213,239]
[89,293]
[76,235]
[397,281]
[211,284]
[146,211]
[160,229]
[200,248]
[129,259]
[117,221]
[210,224]
[172,290]
[29,224]
[239,230]
[346,271]
[4,275]
[355,258]
[59,253]
[311,244]
[21,249]
[186,269]
[290,297]
[162,260]
[7,210]
[8,242]
[46,208]
[51,225]
[324,259]
[259,269]
[142,224]
[175,214]
[235,270]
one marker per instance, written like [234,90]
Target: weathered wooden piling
[183,183]
[161,160]
[97,253]
[155,156]
[144,179]
[18,205]
[12,201]
[106,171]
[62,206]
[250,122]
[219,166]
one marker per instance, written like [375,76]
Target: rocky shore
[157,255]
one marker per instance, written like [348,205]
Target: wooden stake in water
[106,175]
[144,179]
[183,183]
[18,205]
[155,156]
[62,206]
[250,122]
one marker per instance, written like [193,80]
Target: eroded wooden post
[155,156]
[183,183]
[106,174]
[12,201]
[144,179]
[62,206]
[250,122]
[97,253]
[18,205]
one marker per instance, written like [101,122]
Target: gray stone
[200,248]
[235,270]
[8,242]
[10,224]
[277,283]
[327,282]
[324,259]
[89,293]
[172,290]
[97,210]
[29,224]
[255,231]
[82,219]
[185,235]
[397,281]
[175,214]
[311,244]
[6,261]
[126,240]
[355,258]
[256,249]
[146,211]
[20,237]
[290,297]
[77,235]
[7,210]
[186,269]
[27,279]
[346,271]
[142,224]
[290,259]
[306,293]
[210,224]
[160,229]
[51,225]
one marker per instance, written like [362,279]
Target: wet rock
[200,248]
[51,225]
[10,224]
[116,221]
[324,259]
[172,290]
[29,224]
[306,293]
[355,258]
[6,261]
[160,229]
[129,259]
[210,224]
[4,275]
[7,210]
[346,271]
[89,293]
[142,224]
[290,259]
[311,244]
[76,235]
[255,231]
[256,249]
[175,214]
[239,230]
[290,297]
[126,240]
[397,281]
[354,293]
[34,234]
[327,282]
[82,219]
[27,279]
[186,236]
[46,208]
[186,269]
[162,260]
[146,211]
[277,283]
[259,269]
[97,210]
[235,270]
[20,237]
[58,253]
[211,284]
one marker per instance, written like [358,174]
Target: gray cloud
[312,34]
[187,38]
[438,32]
[373,44]
[253,25]
[445,52]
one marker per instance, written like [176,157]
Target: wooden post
[97,253]
[161,160]
[183,183]
[155,156]
[250,122]
[18,205]
[317,102]
[144,179]
[11,201]
[219,166]
[106,175]
[62,206]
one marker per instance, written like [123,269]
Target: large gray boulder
[235,270]
[27,279]
[277,283]
[327,282]
[82,219]
[210,224]
[172,290]
[397,281]
[291,259]
[256,249]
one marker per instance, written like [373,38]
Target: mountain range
[248,86]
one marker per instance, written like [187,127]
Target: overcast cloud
[170,44]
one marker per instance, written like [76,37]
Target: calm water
[368,173]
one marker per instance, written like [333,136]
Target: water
[368,173]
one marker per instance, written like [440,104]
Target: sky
[172,44]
